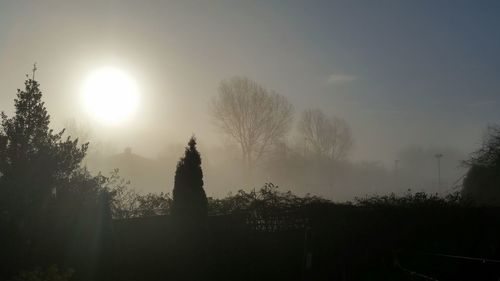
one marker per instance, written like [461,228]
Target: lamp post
[396,173]
[438,157]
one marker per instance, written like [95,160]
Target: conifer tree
[189,198]
[34,160]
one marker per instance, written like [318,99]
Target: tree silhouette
[45,194]
[34,161]
[253,116]
[481,184]
[189,198]
[328,137]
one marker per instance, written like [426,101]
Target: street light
[438,157]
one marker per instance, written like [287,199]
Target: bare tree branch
[329,136]
[251,115]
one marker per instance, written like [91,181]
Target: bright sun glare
[110,95]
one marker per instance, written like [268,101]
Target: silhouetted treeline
[372,239]
[60,222]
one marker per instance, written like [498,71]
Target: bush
[410,200]
[268,199]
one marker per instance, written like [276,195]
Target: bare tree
[253,116]
[78,130]
[84,133]
[328,136]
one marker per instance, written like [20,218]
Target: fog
[288,166]
[427,85]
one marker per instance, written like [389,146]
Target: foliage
[481,184]
[189,198]
[268,199]
[488,155]
[125,202]
[52,273]
[409,200]
[47,200]
[34,161]
[253,116]
[83,193]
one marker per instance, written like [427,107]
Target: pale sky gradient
[400,72]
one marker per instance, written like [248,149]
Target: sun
[110,95]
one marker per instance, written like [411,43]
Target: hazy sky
[400,72]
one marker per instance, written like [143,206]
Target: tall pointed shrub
[189,198]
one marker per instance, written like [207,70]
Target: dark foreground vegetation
[59,222]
